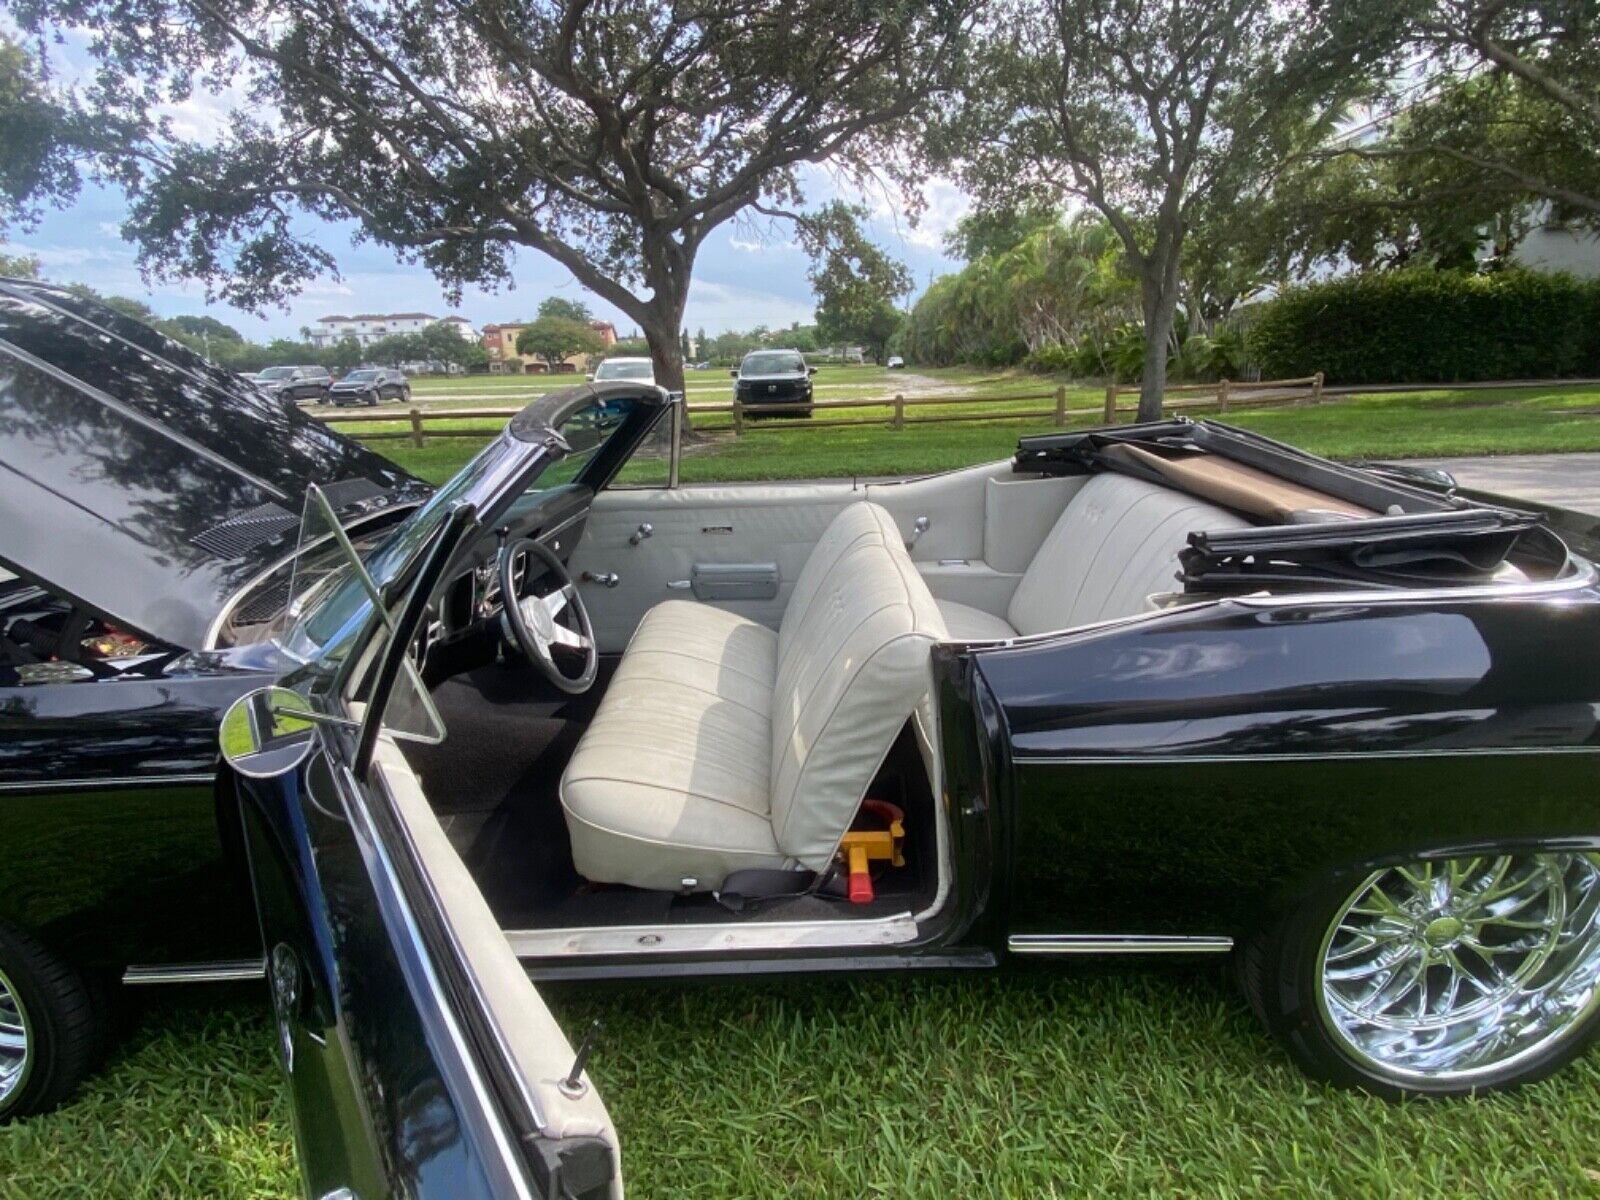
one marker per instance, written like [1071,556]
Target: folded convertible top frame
[1420,536]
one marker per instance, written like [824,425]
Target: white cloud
[718,306]
[943,205]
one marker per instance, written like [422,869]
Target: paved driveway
[1565,480]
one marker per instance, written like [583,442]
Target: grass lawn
[1079,1082]
[1392,425]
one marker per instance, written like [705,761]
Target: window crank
[641,533]
[918,528]
[608,579]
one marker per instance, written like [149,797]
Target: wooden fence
[1224,396]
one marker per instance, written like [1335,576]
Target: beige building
[500,343]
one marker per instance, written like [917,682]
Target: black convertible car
[1167,689]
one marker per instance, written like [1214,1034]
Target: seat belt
[757,885]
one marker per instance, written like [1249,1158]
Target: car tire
[65,1021]
[1284,973]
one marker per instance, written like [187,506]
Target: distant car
[774,377]
[895,363]
[635,369]
[296,383]
[700,366]
[369,385]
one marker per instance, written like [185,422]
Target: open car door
[420,1059]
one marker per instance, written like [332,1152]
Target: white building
[367,328]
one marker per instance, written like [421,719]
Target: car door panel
[735,524]
[396,1089]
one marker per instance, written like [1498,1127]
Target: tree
[202,327]
[570,310]
[37,158]
[1143,109]
[19,266]
[857,285]
[989,232]
[397,348]
[613,137]
[556,339]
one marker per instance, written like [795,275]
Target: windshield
[625,370]
[276,373]
[360,376]
[329,606]
[773,364]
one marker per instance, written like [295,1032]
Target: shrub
[1422,326]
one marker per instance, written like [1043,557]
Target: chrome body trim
[116,781]
[1159,760]
[717,938]
[1115,943]
[239,971]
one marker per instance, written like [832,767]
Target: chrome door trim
[1167,760]
[110,781]
[1115,943]
[231,971]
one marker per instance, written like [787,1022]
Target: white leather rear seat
[722,745]
[1115,544]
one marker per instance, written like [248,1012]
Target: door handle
[608,579]
[679,585]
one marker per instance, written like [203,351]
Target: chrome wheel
[1450,970]
[16,1043]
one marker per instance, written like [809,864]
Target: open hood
[146,483]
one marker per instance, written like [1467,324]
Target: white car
[895,363]
[625,368]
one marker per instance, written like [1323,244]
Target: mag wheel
[51,1027]
[1439,977]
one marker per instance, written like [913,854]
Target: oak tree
[611,135]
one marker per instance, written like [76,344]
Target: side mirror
[811,370]
[734,372]
[590,378]
[267,733]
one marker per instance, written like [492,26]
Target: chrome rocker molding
[1114,943]
[239,971]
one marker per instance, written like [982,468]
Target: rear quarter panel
[1197,771]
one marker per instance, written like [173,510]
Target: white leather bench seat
[678,754]
[722,745]
[1115,544]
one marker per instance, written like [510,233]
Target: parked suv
[774,377]
[369,385]
[297,383]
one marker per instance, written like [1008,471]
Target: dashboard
[467,608]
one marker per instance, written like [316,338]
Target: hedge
[1423,326]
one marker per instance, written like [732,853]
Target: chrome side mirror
[267,733]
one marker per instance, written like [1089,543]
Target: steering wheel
[533,621]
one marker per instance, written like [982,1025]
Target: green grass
[1083,1082]
[1442,421]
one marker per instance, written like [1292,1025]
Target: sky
[747,274]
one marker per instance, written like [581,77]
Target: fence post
[1111,403]
[1222,396]
[1061,405]
[738,414]
[416,427]
[899,412]
[1316,388]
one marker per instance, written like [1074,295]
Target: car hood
[355,385]
[146,483]
[781,377]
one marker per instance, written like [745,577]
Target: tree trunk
[1159,293]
